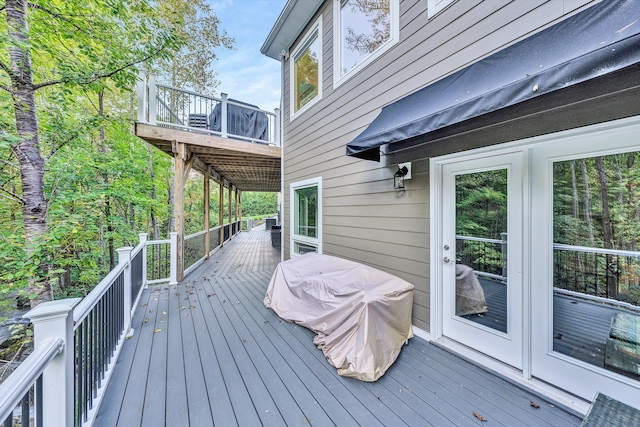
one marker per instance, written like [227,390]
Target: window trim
[337,40]
[317,29]
[433,9]
[317,242]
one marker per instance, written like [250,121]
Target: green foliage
[258,204]
[97,179]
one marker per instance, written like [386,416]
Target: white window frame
[394,37]
[315,29]
[317,242]
[434,7]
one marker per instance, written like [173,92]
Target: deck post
[207,244]
[180,156]
[143,241]
[223,116]
[124,257]
[152,99]
[173,258]
[503,237]
[51,321]
[221,210]
[277,137]
[240,207]
[142,96]
[230,216]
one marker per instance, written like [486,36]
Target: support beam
[207,243]
[240,207]
[180,157]
[230,217]
[221,210]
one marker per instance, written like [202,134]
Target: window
[363,30]
[306,216]
[435,6]
[306,71]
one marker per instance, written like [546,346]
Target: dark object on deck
[241,121]
[622,353]
[198,121]
[269,223]
[276,232]
[568,57]
[608,412]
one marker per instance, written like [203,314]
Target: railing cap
[52,309]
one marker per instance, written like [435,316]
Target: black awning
[593,43]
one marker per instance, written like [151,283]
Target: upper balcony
[238,141]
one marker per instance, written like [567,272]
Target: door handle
[446,259]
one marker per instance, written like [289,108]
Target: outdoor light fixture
[398,177]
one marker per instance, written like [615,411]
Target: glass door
[481,255]
[586,265]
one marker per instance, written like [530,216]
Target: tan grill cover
[362,316]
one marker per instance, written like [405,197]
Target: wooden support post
[180,155]
[230,217]
[207,244]
[240,207]
[221,210]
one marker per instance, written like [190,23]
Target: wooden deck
[207,352]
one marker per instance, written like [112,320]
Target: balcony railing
[77,342]
[163,105]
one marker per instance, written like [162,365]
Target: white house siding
[364,218]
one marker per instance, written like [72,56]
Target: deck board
[219,357]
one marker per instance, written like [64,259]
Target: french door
[480,252]
[536,257]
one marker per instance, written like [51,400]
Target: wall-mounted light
[398,177]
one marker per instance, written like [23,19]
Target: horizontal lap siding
[364,218]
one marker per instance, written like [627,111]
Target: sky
[246,74]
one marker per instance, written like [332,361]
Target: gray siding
[364,218]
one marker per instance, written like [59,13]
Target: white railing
[168,106]
[77,342]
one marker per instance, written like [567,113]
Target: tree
[68,44]
[197,24]
[377,14]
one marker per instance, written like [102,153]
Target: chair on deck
[198,121]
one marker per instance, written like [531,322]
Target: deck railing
[195,252]
[487,257]
[602,273]
[77,342]
[168,106]
[605,273]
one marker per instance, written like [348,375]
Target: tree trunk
[587,201]
[107,199]
[170,217]
[607,230]
[632,204]
[574,187]
[155,230]
[34,207]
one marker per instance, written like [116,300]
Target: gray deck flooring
[207,352]
[580,327]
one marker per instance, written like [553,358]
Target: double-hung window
[363,30]
[306,216]
[306,70]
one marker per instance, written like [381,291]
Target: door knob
[446,259]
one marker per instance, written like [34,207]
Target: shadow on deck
[208,352]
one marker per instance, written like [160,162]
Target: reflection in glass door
[596,261]
[481,248]
[479,256]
